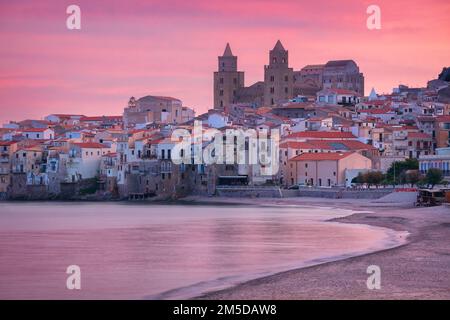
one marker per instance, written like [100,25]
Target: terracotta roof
[133,131]
[35,130]
[443,118]
[167,141]
[263,110]
[295,145]
[426,118]
[156,141]
[62,115]
[322,135]
[110,155]
[321,156]
[419,135]
[377,111]
[298,105]
[101,118]
[7,143]
[31,148]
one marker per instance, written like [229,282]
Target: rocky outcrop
[445,74]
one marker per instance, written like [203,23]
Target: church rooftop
[227,52]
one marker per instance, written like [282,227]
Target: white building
[39,133]
[84,160]
[337,96]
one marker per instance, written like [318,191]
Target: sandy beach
[419,269]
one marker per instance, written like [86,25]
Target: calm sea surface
[148,251]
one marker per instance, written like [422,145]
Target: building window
[221,80]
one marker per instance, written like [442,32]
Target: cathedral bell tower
[278,77]
[227,79]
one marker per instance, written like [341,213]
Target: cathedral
[281,83]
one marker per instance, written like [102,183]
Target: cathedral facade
[281,83]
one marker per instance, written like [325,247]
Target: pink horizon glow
[137,48]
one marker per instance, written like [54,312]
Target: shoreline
[416,269]
[393,239]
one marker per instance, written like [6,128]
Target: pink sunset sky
[136,48]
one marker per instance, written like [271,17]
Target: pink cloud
[170,47]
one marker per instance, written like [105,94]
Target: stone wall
[248,192]
[344,194]
[276,192]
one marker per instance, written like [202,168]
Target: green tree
[434,176]
[374,178]
[370,178]
[397,171]
[412,177]
[360,178]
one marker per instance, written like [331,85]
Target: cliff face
[445,74]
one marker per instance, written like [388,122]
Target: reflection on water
[129,251]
